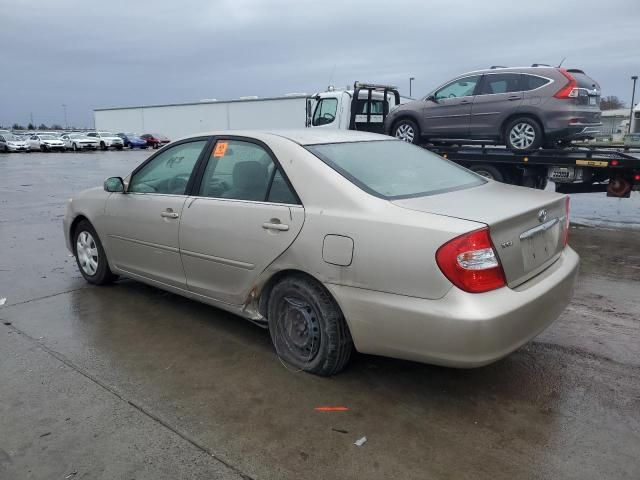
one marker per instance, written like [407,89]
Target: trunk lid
[527,226]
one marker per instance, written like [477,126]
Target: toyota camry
[335,241]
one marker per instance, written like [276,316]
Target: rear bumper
[460,329]
[575,131]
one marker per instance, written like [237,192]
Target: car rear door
[243,216]
[142,224]
[446,113]
[499,96]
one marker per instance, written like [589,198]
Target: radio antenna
[563,59]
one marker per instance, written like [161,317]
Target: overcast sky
[91,54]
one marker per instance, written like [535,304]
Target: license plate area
[540,243]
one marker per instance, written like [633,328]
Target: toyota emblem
[542,215]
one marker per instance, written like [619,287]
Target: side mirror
[114,185]
[432,98]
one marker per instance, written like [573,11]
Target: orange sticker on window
[220,150]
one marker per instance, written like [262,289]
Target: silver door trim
[146,244]
[223,261]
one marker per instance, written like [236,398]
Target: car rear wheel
[406,130]
[523,134]
[490,172]
[307,327]
[90,255]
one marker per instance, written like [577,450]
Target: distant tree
[611,103]
[31,126]
[17,126]
[42,126]
[55,126]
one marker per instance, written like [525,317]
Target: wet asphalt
[130,382]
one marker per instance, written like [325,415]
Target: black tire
[521,141]
[488,171]
[74,147]
[406,130]
[103,146]
[119,148]
[102,274]
[156,146]
[307,327]
[44,148]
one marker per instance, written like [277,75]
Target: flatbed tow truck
[573,169]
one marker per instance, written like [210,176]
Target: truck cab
[364,107]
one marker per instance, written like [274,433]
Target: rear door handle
[169,213]
[463,102]
[275,226]
[514,98]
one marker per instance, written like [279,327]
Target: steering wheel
[330,118]
[178,184]
[451,95]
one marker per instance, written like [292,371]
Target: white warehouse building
[178,120]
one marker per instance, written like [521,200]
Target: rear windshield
[585,81]
[394,169]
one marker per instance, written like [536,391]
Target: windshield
[47,137]
[395,169]
[8,137]
[107,134]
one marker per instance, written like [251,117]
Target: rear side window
[531,82]
[393,169]
[325,111]
[377,107]
[244,171]
[500,83]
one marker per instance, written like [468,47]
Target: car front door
[447,111]
[244,215]
[498,96]
[142,224]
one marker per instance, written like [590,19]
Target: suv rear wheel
[523,134]
[406,130]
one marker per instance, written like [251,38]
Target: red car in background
[155,140]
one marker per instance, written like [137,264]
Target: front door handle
[275,226]
[514,98]
[169,213]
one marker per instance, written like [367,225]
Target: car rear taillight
[470,262]
[566,221]
[570,90]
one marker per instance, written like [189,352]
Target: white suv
[107,139]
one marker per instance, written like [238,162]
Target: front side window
[244,171]
[500,83]
[462,87]
[168,172]
[393,169]
[325,111]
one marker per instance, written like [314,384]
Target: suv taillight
[566,221]
[470,262]
[570,90]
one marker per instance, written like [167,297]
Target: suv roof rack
[493,67]
[540,65]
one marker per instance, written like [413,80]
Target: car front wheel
[406,130]
[90,255]
[307,327]
[523,134]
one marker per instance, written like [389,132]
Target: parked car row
[77,141]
